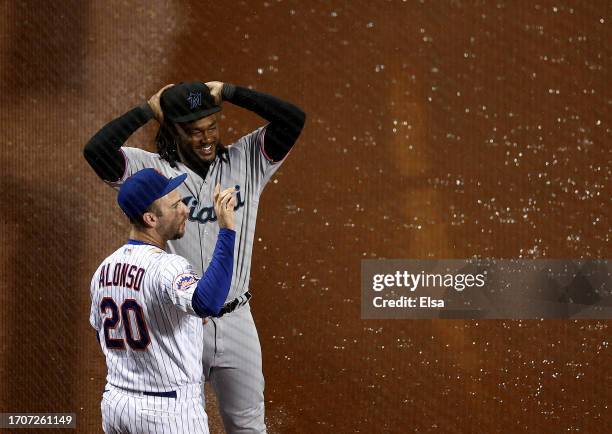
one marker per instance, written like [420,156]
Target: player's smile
[206,150]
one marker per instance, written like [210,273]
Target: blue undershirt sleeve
[214,286]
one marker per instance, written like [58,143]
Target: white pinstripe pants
[133,412]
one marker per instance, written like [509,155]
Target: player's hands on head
[225,202]
[215,90]
[156,106]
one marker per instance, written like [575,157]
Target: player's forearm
[214,286]
[102,152]
[286,119]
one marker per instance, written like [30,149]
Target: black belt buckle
[235,303]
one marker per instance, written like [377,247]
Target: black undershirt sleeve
[286,120]
[102,152]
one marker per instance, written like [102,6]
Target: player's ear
[150,219]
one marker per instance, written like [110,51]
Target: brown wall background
[435,129]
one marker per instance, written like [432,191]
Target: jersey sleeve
[251,148]
[94,312]
[178,283]
[135,159]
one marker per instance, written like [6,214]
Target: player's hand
[215,88]
[156,106]
[225,202]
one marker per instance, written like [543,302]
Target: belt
[171,394]
[231,306]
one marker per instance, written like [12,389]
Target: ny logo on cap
[195,99]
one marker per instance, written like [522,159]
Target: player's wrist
[147,111]
[227,91]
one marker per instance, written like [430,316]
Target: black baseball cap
[186,102]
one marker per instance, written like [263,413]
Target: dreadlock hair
[167,140]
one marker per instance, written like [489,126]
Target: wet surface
[435,130]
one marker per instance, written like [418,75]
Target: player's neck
[198,166]
[148,237]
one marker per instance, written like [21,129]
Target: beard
[178,234]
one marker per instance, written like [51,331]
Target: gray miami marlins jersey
[245,167]
[141,309]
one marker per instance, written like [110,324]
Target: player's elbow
[108,164]
[217,301]
[204,309]
[88,152]
[91,155]
[216,309]
[213,308]
[298,120]
[209,297]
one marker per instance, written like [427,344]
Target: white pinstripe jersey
[141,308]
[246,167]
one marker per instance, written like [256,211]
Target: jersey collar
[140,243]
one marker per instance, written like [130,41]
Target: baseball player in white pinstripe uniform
[188,142]
[147,307]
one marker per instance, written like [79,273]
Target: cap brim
[174,183]
[197,115]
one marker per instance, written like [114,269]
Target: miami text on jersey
[126,275]
[206,214]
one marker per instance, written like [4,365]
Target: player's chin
[179,233]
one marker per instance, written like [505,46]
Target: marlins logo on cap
[195,99]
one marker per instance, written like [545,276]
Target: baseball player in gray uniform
[146,308]
[188,142]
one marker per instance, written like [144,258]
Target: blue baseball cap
[143,188]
